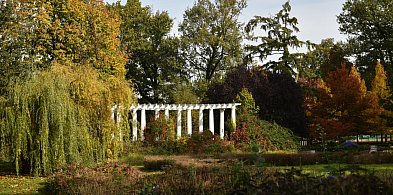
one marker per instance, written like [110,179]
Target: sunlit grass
[328,169]
[12,184]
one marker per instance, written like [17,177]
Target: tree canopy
[211,37]
[343,106]
[154,63]
[368,24]
[64,73]
[278,96]
[280,37]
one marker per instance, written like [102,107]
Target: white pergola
[179,108]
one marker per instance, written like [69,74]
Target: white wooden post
[200,120]
[156,114]
[222,123]
[211,120]
[134,125]
[178,133]
[166,114]
[143,124]
[233,117]
[189,122]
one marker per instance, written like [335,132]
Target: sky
[317,18]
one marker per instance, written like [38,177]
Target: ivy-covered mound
[251,130]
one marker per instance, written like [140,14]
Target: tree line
[82,57]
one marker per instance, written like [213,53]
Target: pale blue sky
[317,18]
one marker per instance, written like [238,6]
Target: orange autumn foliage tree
[342,106]
[381,89]
[379,84]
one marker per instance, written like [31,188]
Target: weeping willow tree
[62,116]
[59,111]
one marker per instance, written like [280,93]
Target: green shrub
[373,158]
[159,130]
[298,159]
[270,136]
[207,143]
[251,130]
[156,165]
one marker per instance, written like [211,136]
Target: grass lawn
[12,184]
[325,169]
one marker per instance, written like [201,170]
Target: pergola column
[178,132]
[134,125]
[156,114]
[143,124]
[222,123]
[166,114]
[189,122]
[211,120]
[200,120]
[233,117]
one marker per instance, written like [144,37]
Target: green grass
[133,159]
[12,184]
[326,169]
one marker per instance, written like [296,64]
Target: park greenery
[67,65]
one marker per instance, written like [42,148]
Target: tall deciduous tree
[343,105]
[211,37]
[280,37]
[369,26]
[40,33]
[323,58]
[60,112]
[278,96]
[154,61]
[379,84]
[17,53]
[380,88]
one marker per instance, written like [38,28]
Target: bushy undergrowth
[252,130]
[231,178]
[207,143]
[110,178]
[299,159]
[160,140]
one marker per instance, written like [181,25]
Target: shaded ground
[12,184]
